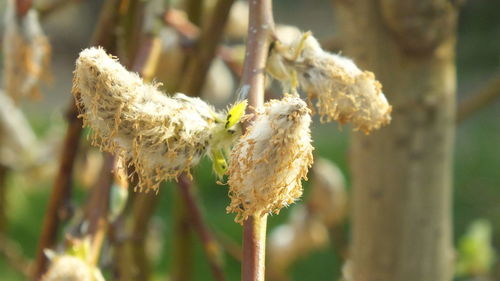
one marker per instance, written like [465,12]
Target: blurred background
[476,164]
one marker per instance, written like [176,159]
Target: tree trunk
[402,174]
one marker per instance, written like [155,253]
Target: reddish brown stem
[61,188]
[260,31]
[210,245]
[96,212]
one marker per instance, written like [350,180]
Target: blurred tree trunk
[402,175]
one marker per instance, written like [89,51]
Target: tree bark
[402,174]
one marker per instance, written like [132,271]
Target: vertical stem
[60,190]
[254,248]
[260,30]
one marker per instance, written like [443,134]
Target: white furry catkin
[344,92]
[71,268]
[161,136]
[269,161]
[26,53]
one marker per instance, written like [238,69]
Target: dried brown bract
[26,52]
[342,91]
[270,160]
[162,136]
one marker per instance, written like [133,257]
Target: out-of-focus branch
[210,37]
[480,99]
[210,245]
[13,255]
[96,212]
[260,32]
[46,8]
[60,191]
[62,183]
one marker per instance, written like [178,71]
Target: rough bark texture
[402,174]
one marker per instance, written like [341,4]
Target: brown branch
[60,191]
[477,101]
[62,183]
[210,245]
[96,212]
[211,35]
[260,32]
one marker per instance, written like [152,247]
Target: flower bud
[269,161]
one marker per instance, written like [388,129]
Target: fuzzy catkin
[269,161]
[26,52]
[342,91]
[161,136]
[71,268]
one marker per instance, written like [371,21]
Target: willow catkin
[26,52]
[161,136]
[270,160]
[342,91]
[71,268]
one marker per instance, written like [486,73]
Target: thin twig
[62,184]
[96,212]
[14,256]
[476,101]
[260,32]
[60,191]
[210,245]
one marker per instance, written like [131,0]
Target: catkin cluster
[161,136]
[71,268]
[26,52]
[269,161]
[342,91]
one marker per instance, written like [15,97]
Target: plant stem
[476,101]
[96,212]
[254,249]
[260,32]
[210,245]
[60,191]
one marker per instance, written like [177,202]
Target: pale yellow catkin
[26,53]
[342,91]
[269,161]
[162,136]
[71,268]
